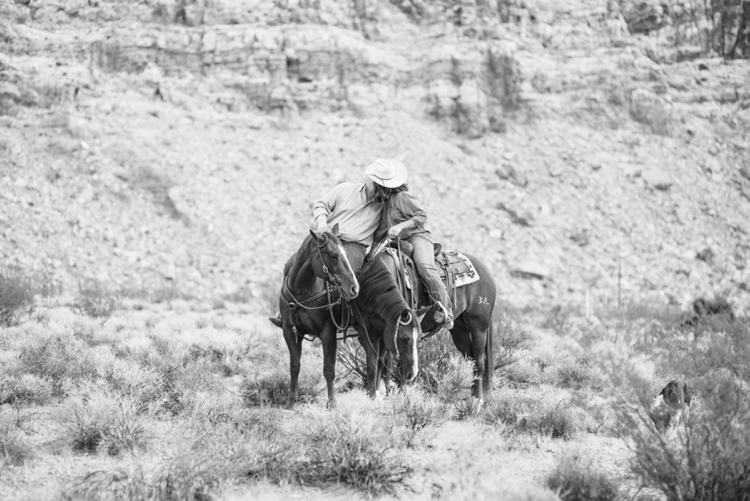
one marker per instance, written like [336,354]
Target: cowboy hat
[390,172]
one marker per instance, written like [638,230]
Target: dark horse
[473,305]
[317,278]
[388,324]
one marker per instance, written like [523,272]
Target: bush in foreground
[576,480]
[95,300]
[419,413]
[360,454]
[18,293]
[707,457]
[273,390]
[13,450]
[107,424]
[529,414]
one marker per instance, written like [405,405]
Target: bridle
[401,283]
[331,285]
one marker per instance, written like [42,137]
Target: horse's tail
[489,360]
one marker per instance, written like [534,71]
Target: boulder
[657,178]
[652,110]
[530,269]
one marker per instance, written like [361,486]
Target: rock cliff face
[179,144]
[306,67]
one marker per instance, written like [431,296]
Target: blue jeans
[355,253]
[424,258]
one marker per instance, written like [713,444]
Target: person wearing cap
[404,217]
[357,208]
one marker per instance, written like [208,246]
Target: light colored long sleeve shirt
[348,206]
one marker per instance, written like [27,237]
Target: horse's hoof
[331,404]
[290,405]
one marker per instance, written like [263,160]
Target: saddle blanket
[459,265]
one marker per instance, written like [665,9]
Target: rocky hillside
[579,147]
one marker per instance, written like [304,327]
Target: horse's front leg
[328,339]
[384,374]
[371,358]
[294,343]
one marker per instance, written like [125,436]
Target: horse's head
[402,336]
[331,263]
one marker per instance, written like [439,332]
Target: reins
[330,286]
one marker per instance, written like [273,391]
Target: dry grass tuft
[273,390]
[21,295]
[529,414]
[360,453]
[95,300]
[14,451]
[443,371]
[104,423]
[575,479]
[420,414]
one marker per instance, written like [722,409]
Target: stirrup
[443,315]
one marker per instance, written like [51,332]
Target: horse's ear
[335,230]
[315,235]
[422,312]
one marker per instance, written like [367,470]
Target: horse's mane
[379,288]
[304,250]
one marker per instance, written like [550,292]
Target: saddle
[454,268]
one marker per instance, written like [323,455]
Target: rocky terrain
[584,149]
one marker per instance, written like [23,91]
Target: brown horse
[473,305]
[389,326]
[317,278]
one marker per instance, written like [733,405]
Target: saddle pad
[459,265]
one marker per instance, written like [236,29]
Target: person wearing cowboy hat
[357,209]
[404,217]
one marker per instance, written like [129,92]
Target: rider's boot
[444,316]
[276,320]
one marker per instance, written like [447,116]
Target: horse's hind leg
[470,342]
[479,340]
[294,343]
[328,338]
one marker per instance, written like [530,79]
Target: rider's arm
[324,207]
[414,216]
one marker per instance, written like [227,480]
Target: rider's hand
[324,229]
[394,231]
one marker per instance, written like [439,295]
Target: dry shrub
[351,363]
[22,295]
[114,485]
[273,389]
[708,456]
[14,451]
[509,337]
[530,414]
[191,477]
[96,300]
[58,358]
[104,423]
[575,374]
[419,413]
[443,371]
[24,388]
[356,452]
[575,479]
